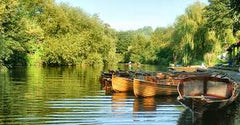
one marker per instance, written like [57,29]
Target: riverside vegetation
[42,32]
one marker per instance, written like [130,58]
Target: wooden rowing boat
[106,78]
[122,84]
[151,88]
[205,93]
[161,84]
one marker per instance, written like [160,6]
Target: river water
[73,95]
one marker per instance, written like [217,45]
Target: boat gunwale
[208,101]
[156,83]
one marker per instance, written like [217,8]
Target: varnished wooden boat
[161,84]
[206,93]
[106,78]
[122,84]
[151,88]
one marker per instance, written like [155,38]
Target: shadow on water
[226,116]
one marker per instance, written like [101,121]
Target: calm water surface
[73,95]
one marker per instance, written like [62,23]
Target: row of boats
[198,90]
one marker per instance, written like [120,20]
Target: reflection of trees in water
[143,67]
[25,90]
[10,99]
[221,117]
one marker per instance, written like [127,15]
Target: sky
[134,14]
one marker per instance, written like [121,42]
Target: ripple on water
[74,96]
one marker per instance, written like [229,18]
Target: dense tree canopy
[43,32]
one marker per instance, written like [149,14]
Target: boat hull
[144,88]
[202,94]
[122,84]
[199,105]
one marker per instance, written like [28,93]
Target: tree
[186,39]
[161,40]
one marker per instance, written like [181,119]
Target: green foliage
[125,38]
[161,39]
[146,31]
[137,46]
[188,33]
[235,5]
[41,31]
[93,59]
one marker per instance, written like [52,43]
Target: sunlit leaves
[186,32]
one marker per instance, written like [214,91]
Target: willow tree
[186,39]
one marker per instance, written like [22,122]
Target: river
[73,95]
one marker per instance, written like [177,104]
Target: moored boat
[152,88]
[106,77]
[122,84]
[163,84]
[205,93]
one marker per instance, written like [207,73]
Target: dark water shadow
[226,116]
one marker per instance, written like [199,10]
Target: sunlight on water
[73,95]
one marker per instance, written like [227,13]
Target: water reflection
[122,104]
[150,68]
[144,104]
[25,91]
[73,95]
[151,104]
[161,110]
